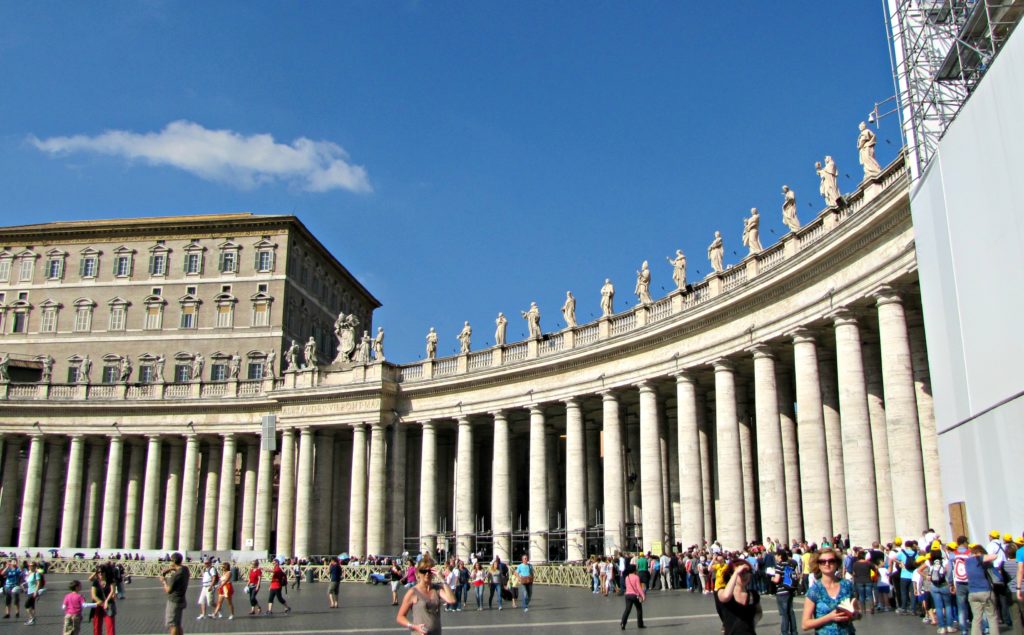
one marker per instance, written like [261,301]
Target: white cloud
[224,155]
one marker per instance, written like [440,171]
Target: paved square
[367,609]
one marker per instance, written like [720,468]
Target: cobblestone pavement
[367,609]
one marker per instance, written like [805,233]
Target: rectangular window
[264,261]
[123,266]
[229,262]
[117,318]
[225,313]
[20,323]
[83,320]
[73,374]
[49,321]
[190,290]
[27,264]
[255,370]
[182,373]
[146,374]
[158,264]
[188,317]
[87,267]
[261,315]
[110,374]
[154,318]
[218,372]
[5,269]
[55,268]
[193,263]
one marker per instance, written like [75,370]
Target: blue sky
[460,158]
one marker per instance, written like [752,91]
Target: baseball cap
[994,533]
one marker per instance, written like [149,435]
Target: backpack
[787,576]
[463,576]
[939,573]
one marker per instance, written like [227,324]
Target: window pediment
[122,250]
[84,303]
[188,298]
[27,253]
[90,251]
[56,253]
[150,300]
[184,356]
[118,301]
[49,303]
[194,248]
[224,298]
[159,249]
[261,297]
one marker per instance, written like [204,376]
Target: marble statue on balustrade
[125,370]
[716,251]
[309,352]
[643,284]
[5,362]
[532,317]
[291,357]
[569,310]
[866,141]
[47,368]
[158,369]
[84,369]
[789,209]
[752,231]
[197,367]
[363,354]
[678,269]
[501,325]
[465,335]
[607,298]
[829,187]
[235,365]
[378,345]
[431,344]
[268,365]
[345,331]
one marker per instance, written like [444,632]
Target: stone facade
[774,398]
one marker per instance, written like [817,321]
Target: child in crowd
[73,605]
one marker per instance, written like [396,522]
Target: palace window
[5,267]
[111,373]
[89,264]
[219,371]
[25,267]
[159,257]
[146,374]
[19,321]
[261,314]
[193,264]
[74,372]
[182,372]
[254,370]
[188,316]
[83,315]
[225,310]
[229,257]
[118,314]
[154,316]
[48,321]
[55,265]
[124,260]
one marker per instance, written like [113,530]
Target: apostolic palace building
[187,383]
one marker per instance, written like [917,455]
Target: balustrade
[811,233]
[516,352]
[177,391]
[588,334]
[734,277]
[623,323]
[554,343]
[63,392]
[661,309]
[217,389]
[249,388]
[480,360]
[410,373]
[102,391]
[446,366]
[140,391]
[22,391]
[770,257]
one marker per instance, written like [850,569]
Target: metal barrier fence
[573,575]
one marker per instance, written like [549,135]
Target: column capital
[886,294]
[684,376]
[228,436]
[463,420]
[154,437]
[842,316]
[536,408]
[761,350]
[572,402]
[645,385]
[723,364]
[608,395]
[802,335]
[500,413]
[428,425]
[326,433]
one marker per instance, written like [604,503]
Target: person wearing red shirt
[253,588]
[278,580]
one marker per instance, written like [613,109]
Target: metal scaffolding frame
[940,51]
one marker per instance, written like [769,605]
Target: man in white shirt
[206,593]
[666,580]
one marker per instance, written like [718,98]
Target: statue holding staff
[532,317]
[678,269]
[789,209]
[643,284]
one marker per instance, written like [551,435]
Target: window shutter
[152,264]
[131,265]
[220,263]
[202,262]
[81,267]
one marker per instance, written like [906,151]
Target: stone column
[33,488]
[666,476]
[810,423]
[342,489]
[501,508]
[264,500]
[937,516]
[858,454]
[911,514]
[11,491]
[357,510]
[133,495]
[189,495]
[538,485]
[286,496]
[252,454]
[53,491]
[112,495]
[691,494]
[305,511]
[208,536]
[706,474]
[226,502]
[428,489]
[771,477]
[72,517]
[93,494]
[651,495]
[833,441]
[879,440]
[554,504]
[790,457]
[323,493]
[747,462]
[730,523]
[465,510]
[575,483]
[614,485]
[151,495]
[593,435]
[376,540]
[172,494]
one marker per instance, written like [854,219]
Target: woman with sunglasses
[424,600]
[821,610]
[739,606]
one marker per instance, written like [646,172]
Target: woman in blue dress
[821,610]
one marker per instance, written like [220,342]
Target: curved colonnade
[786,397]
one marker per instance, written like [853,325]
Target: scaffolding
[940,50]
